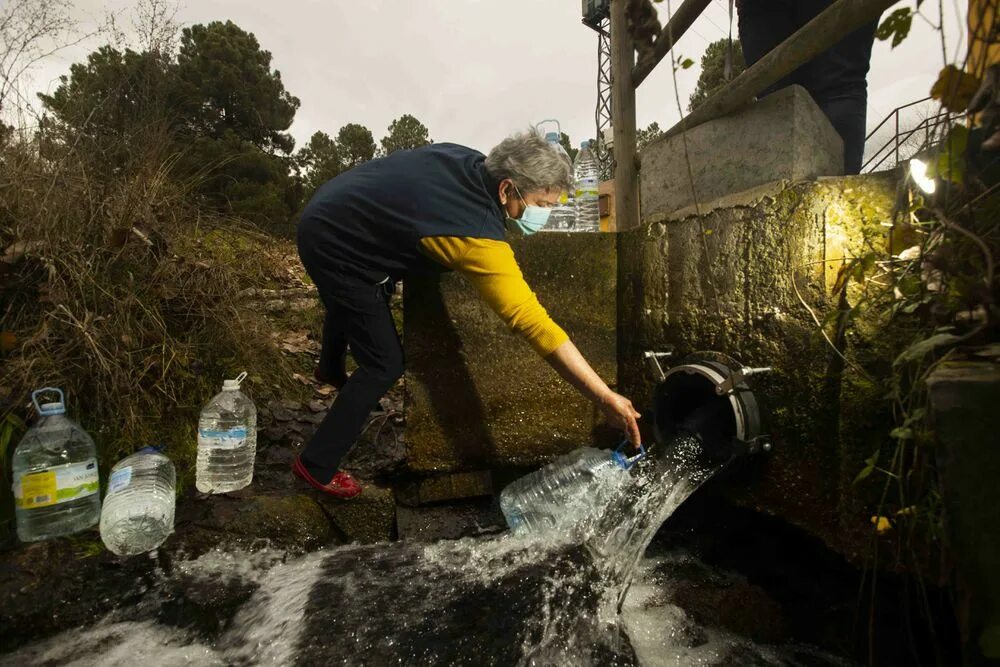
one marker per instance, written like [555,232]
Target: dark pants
[357,314]
[836,78]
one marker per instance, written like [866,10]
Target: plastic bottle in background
[567,492]
[563,216]
[56,485]
[586,173]
[227,441]
[138,511]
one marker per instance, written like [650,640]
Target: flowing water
[537,600]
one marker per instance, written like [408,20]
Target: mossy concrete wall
[478,396]
[740,279]
[964,398]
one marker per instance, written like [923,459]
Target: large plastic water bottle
[138,512]
[56,485]
[227,441]
[568,491]
[563,216]
[586,173]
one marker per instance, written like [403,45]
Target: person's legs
[763,24]
[368,327]
[837,80]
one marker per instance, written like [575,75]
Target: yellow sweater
[491,268]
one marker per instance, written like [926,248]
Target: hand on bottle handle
[619,412]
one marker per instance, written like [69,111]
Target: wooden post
[676,26]
[623,120]
[829,27]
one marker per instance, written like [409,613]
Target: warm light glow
[918,172]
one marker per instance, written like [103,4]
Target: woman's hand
[620,412]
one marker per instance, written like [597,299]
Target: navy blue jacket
[369,221]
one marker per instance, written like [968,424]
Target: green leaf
[687,63]
[901,433]
[951,160]
[896,25]
[868,469]
[921,348]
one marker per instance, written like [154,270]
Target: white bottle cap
[233,385]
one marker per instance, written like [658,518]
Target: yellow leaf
[954,88]
[881,524]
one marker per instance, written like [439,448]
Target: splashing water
[542,599]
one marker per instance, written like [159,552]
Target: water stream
[537,600]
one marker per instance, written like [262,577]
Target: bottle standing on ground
[587,176]
[569,491]
[56,486]
[227,441]
[563,216]
[138,511]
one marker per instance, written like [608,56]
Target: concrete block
[454,486]
[964,397]
[783,136]
[730,280]
[479,397]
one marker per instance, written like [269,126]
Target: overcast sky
[475,70]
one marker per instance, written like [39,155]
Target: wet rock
[368,518]
[446,487]
[48,587]
[293,522]
[448,522]
[206,606]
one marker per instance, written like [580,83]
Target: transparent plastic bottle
[138,512]
[566,492]
[586,173]
[56,485]
[563,216]
[227,441]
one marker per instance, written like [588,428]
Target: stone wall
[734,280]
[477,395]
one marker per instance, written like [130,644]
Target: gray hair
[528,160]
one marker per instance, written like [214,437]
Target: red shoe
[322,378]
[342,485]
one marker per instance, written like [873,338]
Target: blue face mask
[533,218]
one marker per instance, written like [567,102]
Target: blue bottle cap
[552,136]
[49,409]
[584,144]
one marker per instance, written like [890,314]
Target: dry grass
[119,289]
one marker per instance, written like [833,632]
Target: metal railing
[907,142]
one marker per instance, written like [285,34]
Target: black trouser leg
[333,353]
[362,313]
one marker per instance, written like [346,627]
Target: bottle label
[58,484]
[587,187]
[119,479]
[222,439]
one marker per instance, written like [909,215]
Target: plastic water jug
[569,491]
[56,484]
[227,440]
[138,512]
[563,216]
[587,176]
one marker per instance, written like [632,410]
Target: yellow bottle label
[37,490]
[58,484]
